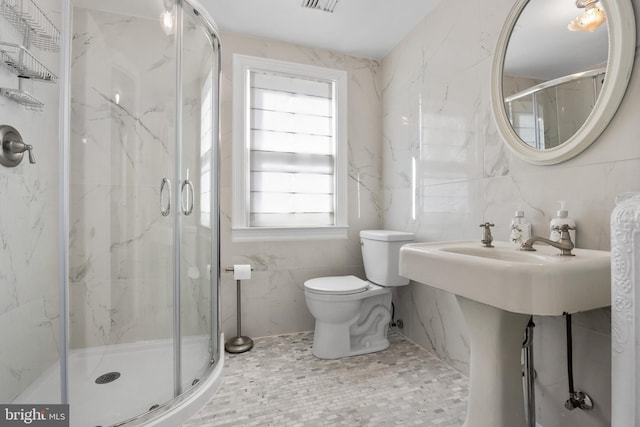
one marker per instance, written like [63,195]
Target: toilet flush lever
[13,148]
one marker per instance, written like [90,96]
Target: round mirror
[560,70]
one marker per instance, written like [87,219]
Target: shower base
[145,379]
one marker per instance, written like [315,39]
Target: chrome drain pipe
[529,374]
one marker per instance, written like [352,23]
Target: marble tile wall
[273,300]
[437,122]
[29,294]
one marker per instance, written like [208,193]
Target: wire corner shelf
[29,19]
[22,63]
[23,97]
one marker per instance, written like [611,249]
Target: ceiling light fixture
[591,18]
[323,5]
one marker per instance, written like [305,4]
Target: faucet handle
[18,147]
[563,227]
[565,238]
[564,232]
[560,233]
[487,238]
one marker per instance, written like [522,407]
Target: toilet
[352,315]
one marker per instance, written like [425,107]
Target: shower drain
[107,378]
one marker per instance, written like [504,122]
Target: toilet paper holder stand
[239,343]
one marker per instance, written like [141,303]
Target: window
[290,150]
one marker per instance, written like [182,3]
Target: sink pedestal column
[496,398]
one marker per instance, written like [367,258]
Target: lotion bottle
[562,218]
[520,228]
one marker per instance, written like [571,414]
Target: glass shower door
[122,157]
[198,226]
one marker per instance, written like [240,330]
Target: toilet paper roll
[241,271]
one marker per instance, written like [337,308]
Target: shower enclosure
[548,113]
[109,275]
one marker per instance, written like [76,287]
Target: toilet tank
[381,255]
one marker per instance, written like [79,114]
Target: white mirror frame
[622,44]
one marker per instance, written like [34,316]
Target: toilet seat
[337,285]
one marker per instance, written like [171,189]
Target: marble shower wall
[29,290]
[438,127]
[273,301]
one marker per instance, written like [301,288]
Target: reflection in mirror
[521,63]
[552,76]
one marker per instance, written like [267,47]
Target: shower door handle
[165,208]
[188,209]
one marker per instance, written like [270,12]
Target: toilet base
[371,347]
[350,324]
[334,342]
[366,332]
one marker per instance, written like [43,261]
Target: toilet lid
[338,285]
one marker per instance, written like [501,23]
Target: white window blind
[290,167]
[291,151]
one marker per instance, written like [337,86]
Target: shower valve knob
[18,147]
[12,147]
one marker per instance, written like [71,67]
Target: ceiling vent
[324,5]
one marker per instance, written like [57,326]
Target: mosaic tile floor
[280,383]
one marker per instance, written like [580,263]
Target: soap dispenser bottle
[520,228]
[562,218]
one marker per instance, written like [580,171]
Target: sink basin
[498,289]
[540,282]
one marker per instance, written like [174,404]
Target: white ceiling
[364,28]
[371,28]
[542,47]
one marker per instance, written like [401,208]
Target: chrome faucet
[564,244]
[487,238]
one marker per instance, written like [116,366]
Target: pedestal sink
[498,289]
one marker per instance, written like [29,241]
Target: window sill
[269,234]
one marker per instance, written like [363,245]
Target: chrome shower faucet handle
[12,147]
